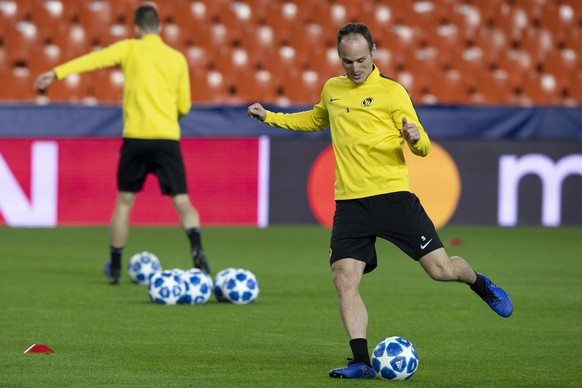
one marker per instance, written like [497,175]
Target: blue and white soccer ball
[198,287]
[142,266]
[395,358]
[241,287]
[166,288]
[219,281]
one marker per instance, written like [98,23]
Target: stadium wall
[509,167]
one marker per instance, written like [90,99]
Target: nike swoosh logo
[334,99]
[422,246]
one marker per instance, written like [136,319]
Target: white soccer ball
[395,358]
[198,286]
[166,288]
[219,280]
[142,266]
[241,287]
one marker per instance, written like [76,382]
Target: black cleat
[112,274]
[200,261]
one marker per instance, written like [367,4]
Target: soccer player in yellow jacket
[371,117]
[156,94]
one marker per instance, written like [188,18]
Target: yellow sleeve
[314,120]
[107,57]
[406,109]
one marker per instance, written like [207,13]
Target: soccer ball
[395,358]
[219,280]
[198,286]
[142,266]
[241,287]
[166,288]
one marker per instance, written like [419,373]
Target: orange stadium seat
[107,87]
[19,38]
[448,87]
[71,39]
[43,58]
[17,85]
[562,64]
[575,89]
[74,88]
[491,88]
[260,87]
[540,89]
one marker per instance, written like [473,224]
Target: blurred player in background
[156,94]
[371,117]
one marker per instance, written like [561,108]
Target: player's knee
[344,281]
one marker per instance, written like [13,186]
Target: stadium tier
[507,52]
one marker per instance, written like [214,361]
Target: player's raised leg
[439,266]
[347,274]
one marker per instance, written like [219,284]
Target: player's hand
[256,111]
[410,131]
[44,80]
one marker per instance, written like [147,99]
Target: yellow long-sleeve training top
[366,130]
[156,90]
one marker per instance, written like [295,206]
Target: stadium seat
[515,63]
[259,87]
[540,89]
[563,65]
[47,16]
[303,87]
[493,41]
[491,88]
[17,84]
[448,87]
[575,89]
[43,58]
[96,17]
[107,86]
[74,88]
[19,38]
[71,39]
[537,42]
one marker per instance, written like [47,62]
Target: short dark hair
[146,17]
[356,29]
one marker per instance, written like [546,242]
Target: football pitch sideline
[53,292]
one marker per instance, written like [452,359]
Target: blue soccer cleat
[354,370]
[112,274]
[497,298]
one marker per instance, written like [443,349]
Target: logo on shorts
[330,252]
[424,244]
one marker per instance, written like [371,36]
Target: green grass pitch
[53,292]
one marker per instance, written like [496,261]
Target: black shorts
[397,217]
[140,157]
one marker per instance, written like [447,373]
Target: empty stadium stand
[507,52]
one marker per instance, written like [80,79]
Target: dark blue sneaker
[112,274]
[354,370]
[497,298]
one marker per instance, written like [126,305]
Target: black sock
[115,254]
[195,241]
[360,350]
[479,287]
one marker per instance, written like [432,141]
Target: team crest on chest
[367,102]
